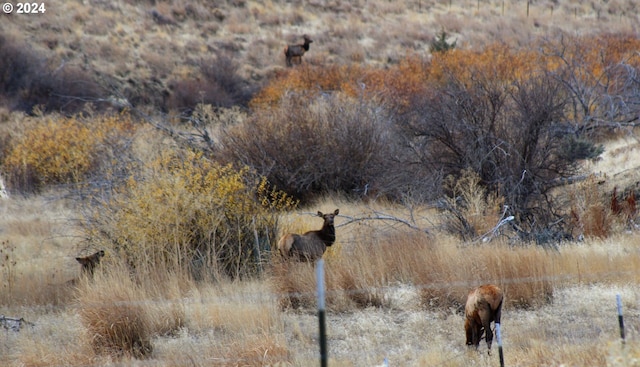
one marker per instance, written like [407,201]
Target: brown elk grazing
[89,263]
[297,51]
[311,245]
[484,305]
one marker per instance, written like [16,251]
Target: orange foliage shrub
[595,54]
[497,61]
[549,88]
[397,83]
[311,79]
[503,64]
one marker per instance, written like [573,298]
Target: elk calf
[297,51]
[311,245]
[484,305]
[89,263]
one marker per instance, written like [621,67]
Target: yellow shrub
[61,150]
[189,214]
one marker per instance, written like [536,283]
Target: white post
[3,190]
[499,339]
[620,320]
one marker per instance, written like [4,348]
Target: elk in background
[90,262]
[297,51]
[311,245]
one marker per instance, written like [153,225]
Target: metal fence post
[620,320]
[321,313]
[499,338]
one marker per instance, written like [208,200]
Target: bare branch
[385,217]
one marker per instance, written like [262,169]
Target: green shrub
[576,149]
[440,44]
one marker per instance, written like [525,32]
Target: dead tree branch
[384,217]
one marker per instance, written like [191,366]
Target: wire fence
[578,330]
[525,7]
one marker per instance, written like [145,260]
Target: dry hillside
[143,50]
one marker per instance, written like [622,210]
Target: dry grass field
[396,282]
[391,294]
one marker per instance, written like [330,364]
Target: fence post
[256,246]
[499,338]
[321,313]
[620,320]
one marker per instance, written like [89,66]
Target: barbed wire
[385,358]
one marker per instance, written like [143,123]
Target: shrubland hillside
[173,54]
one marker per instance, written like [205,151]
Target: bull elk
[297,51]
[311,245]
[484,305]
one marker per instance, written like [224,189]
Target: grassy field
[391,293]
[396,281]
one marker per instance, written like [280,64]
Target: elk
[311,245]
[297,51]
[484,305]
[90,262]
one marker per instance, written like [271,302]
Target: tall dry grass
[443,270]
[37,246]
[171,320]
[393,292]
[122,315]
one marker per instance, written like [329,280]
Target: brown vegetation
[309,145]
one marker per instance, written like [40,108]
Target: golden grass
[55,340]
[37,247]
[392,292]
[444,271]
[113,311]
